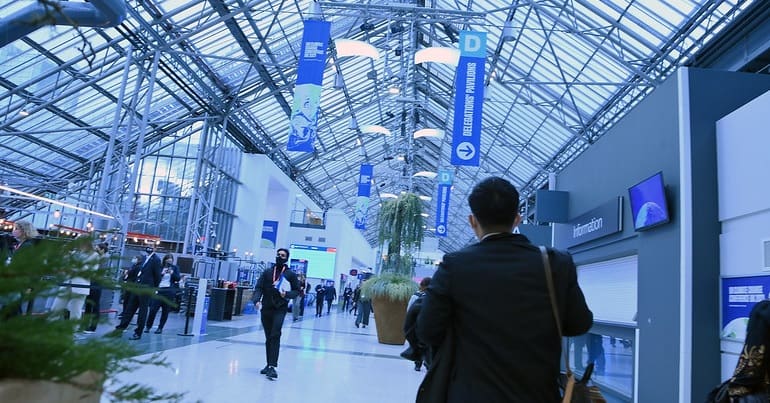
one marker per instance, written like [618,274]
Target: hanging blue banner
[303,124]
[442,209]
[364,190]
[469,98]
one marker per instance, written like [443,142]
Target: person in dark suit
[493,296]
[319,299]
[330,294]
[275,288]
[148,275]
[167,288]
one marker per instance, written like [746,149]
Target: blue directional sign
[469,99]
[442,209]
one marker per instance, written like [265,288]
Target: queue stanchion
[187,313]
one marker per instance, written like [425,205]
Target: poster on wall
[269,234]
[739,295]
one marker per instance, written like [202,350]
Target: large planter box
[389,318]
[25,391]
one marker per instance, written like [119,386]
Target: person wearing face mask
[169,283]
[148,275]
[275,287]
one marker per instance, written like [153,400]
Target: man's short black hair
[285,250]
[494,202]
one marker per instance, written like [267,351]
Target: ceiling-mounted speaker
[509,32]
[314,11]
[367,26]
[339,83]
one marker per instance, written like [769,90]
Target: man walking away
[493,296]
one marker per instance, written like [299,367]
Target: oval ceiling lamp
[425,198]
[388,196]
[425,174]
[436,133]
[350,47]
[437,54]
[375,129]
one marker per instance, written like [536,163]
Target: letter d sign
[473,43]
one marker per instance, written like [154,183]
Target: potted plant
[41,357]
[400,228]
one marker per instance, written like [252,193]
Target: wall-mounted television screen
[648,203]
[314,261]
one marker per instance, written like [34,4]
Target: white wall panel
[610,288]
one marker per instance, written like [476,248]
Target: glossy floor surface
[324,359]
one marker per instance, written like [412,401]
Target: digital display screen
[648,202]
[315,261]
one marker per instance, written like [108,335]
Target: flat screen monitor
[648,203]
[315,261]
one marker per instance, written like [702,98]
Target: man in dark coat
[275,287]
[148,275]
[330,294]
[494,298]
[319,299]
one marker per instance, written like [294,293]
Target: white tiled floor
[323,359]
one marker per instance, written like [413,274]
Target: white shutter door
[610,288]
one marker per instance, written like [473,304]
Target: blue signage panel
[442,209]
[307,91]
[739,295]
[269,234]
[205,314]
[602,221]
[445,176]
[469,99]
[364,189]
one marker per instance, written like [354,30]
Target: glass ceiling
[571,71]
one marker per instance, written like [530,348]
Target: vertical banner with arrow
[364,190]
[469,98]
[307,91]
[442,201]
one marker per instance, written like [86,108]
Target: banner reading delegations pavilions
[307,91]
[469,98]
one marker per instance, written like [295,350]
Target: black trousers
[93,307]
[272,321]
[345,304]
[329,305]
[319,306]
[136,303]
[155,304]
[302,306]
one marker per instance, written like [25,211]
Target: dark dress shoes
[271,373]
[135,337]
[158,331]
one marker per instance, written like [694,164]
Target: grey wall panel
[642,143]
[713,94]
